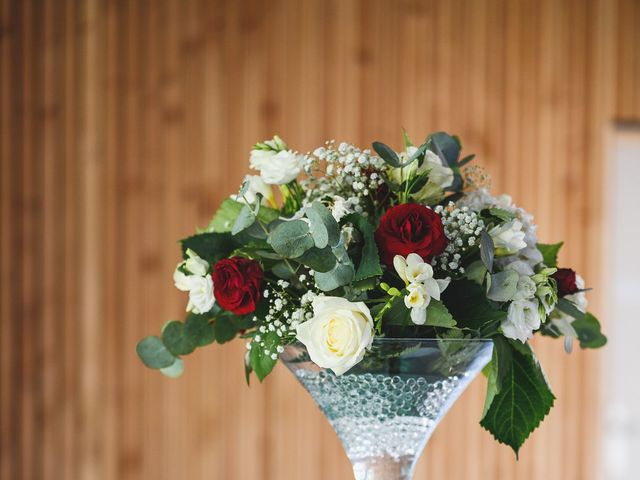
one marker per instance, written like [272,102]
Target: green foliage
[446,147]
[320,260]
[174,370]
[518,397]
[503,285]
[224,219]
[154,354]
[570,309]
[476,272]
[466,160]
[291,239]
[245,219]
[260,362]
[199,329]
[500,214]
[439,316]
[386,153]
[589,332]
[324,228]
[550,253]
[470,308]
[369,265]
[210,246]
[487,250]
[175,340]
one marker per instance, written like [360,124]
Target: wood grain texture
[124,123]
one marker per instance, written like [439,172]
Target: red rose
[566,280]
[410,228]
[237,284]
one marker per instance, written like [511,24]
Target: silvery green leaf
[174,370]
[324,228]
[503,286]
[153,353]
[244,188]
[282,270]
[339,276]
[476,272]
[291,239]
[386,153]
[570,309]
[318,259]
[244,220]
[486,250]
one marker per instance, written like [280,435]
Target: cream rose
[277,168]
[339,333]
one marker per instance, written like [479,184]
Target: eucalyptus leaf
[589,333]
[487,250]
[466,160]
[291,239]
[503,286]
[199,329]
[175,370]
[570,309]
[244,220]
[324,228]
[318,259]
[387,154]
[175,340]
[153,353]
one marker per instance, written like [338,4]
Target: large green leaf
[210,246]
[154,354]
[175,340]
[550,253]
[200,329]
[439,316]
[369,265]
[228,212]
[467,302]
[260,362]
[291,239]
[589,333]
[521,396]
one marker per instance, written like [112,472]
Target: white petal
[432,288]
[419,315]
[400,265]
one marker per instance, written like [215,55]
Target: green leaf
[282,270]
[446,147]
[369,265]
[522,400]
[210,246]
[470,308]
[439,316]
[340,275]
[466,160]
[504,215]
[199,329]
[324,228]
[320,260]
[487,250]
[260,362]
[175,370]
[175,340]
[228,212]
[386,153]
[503,286]
[476,272]
[406,140]
[291,239]
[497,368]
[589,332]
[154,354]
[550,253]
[570,309]
[244,220]
[225,328]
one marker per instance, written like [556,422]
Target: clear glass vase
[385,408]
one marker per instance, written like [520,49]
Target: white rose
[508,238]
[523,317]
[201,297]
[256,185]
[339,333]
[439,173]
[259,157]
[278,168]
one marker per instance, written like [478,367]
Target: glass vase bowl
[386,407]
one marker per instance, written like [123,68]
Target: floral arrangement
[340,245]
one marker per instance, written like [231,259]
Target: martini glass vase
[385,408]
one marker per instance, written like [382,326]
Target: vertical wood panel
[124,123]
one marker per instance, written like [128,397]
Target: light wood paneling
[124,123]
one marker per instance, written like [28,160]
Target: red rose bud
[410,228]
[237,284]
[566,280]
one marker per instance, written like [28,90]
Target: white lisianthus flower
[196,265]
[439,173]
[508,238]
[256,185]
[201,297]
[277,168]
[526,287]
[181,280]
[339,333]
[523,317]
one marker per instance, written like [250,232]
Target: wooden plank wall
[124,123]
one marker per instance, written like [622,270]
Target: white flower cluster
[345,173]
[284,314]
[462,227]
